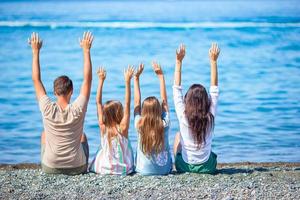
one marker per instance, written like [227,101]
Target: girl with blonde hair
[151,121]
[115,156]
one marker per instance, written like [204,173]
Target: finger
[33,37]
[132,69]
[155,67]
[83,36]
[91,39]
[28,40]
[142,67]
[153,64]
[87,37]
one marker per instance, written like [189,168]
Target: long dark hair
[197,112]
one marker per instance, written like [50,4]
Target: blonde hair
[112,116]
[150,127]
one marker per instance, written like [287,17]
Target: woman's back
[196,113]
[192,152]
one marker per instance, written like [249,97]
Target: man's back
[63,131]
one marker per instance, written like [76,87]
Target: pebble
[33,184]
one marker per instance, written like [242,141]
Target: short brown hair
[62,85]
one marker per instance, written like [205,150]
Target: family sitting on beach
[64,146]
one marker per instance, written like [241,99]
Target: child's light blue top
[155,164]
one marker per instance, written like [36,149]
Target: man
[64,147]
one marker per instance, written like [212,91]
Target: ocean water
[258,115]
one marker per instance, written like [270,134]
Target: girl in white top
[115,155]
[196,112]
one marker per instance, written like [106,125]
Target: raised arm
[213,55]
[180,53]
[86,43]
[124,125]
[163,92]
[101,75]
[36,44]
[137,91]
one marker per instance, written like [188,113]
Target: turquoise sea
[258,116]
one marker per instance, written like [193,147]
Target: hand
[35,42]
[157,69]
[86,41]
[214,52]
[101,73]
[128,73]
[139,70]
[180,53]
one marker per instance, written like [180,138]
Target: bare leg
[177,145]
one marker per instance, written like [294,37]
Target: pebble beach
[232,181]
[257,128]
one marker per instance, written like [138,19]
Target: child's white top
[190,153]
[114,159]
